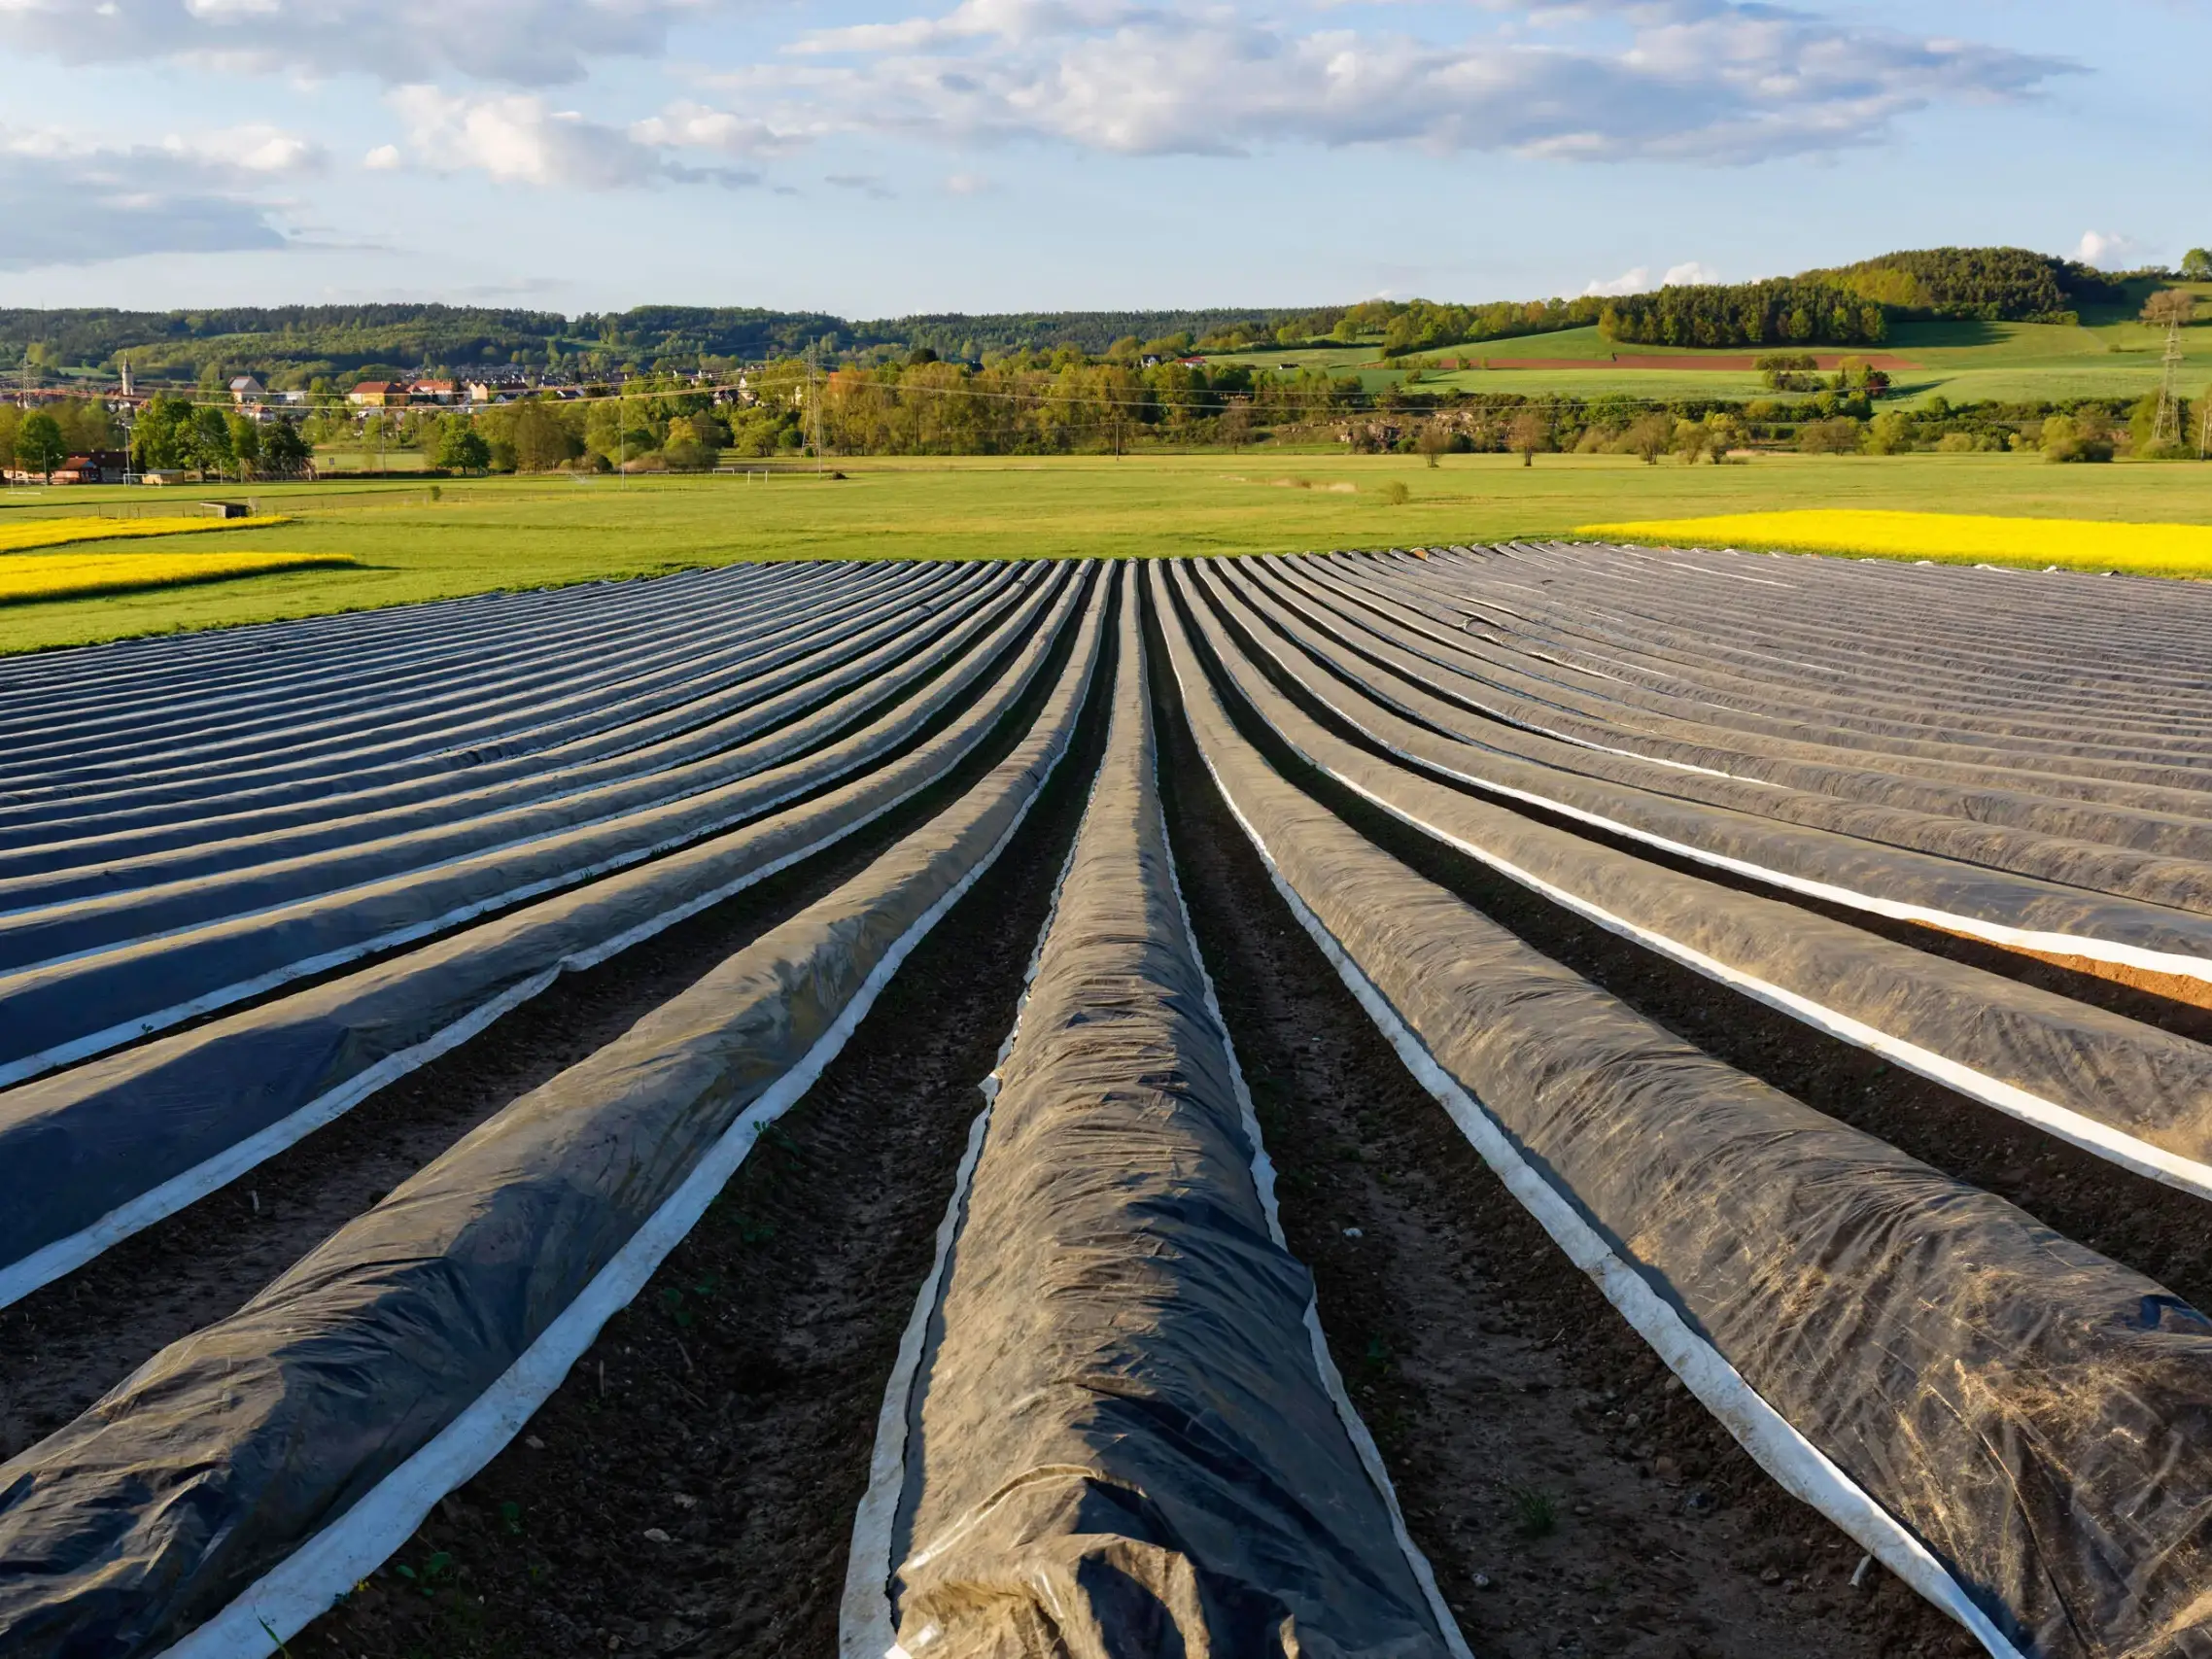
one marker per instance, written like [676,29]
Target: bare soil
[1572,1498]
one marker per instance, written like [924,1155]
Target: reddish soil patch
[1741,365]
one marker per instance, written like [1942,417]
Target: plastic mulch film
[1994,904]
[2019,1427]
[726,701]
[94,1154]
[72,911]
[2053,841]
[1664,716]
[84,1005]
[237,1483]
[2128,1092]
[1118,1438]
[529,706]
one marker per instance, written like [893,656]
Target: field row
[1534,1098]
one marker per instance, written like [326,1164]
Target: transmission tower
[2167,431]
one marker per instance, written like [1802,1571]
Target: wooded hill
[1847,306]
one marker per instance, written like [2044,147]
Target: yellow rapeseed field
[60,531]
[1959,539]
[29,576]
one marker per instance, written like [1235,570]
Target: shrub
[1839,434]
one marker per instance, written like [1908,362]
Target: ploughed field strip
[1814,956]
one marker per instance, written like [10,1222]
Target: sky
[876,159]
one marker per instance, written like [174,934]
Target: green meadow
[2107,356]
[538,532]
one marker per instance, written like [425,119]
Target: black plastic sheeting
[1729,659]
[2051,841]
[2139,1080]
[2039,1418]
[72,911]
[1120,1443]
[1846,868]
[174,1494]
[644,642]
[747,666]
[469,703]
[76,1147]
[1546,690]
[97,1000]
[534,736]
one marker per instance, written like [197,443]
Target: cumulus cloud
[518,138]
[1702,80]
[1636,280]
[1639,280]
[531,43]
[2109,250]
[68,202]
[969,184]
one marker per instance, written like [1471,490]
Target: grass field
[1965,362]
[530,533]
[40,579]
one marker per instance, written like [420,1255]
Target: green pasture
[1963,363]
[533,533]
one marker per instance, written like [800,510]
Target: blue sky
[875,159]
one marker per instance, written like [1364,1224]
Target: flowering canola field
[60,531]
[2093,544]
[30,576]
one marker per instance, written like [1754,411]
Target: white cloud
[1635,281]
[1639,280]
[2109,250]
[518,138]
[257,148]
[969,184]
[64,201]
[384,159]
[1705,80]
[524,41]
[690,125]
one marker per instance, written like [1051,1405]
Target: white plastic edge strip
[1801,1467]
[304,1586]
[864,1623]
[2093,1135]
[144,1026]
[1996,933]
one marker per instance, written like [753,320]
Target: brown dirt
[2161,999]
[732,1407]
[1506,1393]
